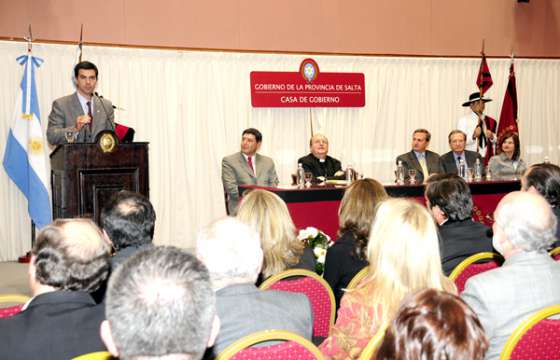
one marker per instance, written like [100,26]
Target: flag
[508,116]
[25,154]
[484,79]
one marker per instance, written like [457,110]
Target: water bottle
[477,170]
[349,173]
[400,173]
[462,169]
[300,175]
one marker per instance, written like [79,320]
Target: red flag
[484,79]
[508,116]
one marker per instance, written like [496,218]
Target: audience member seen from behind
[70,259]
[434,325]
[266,213]
[403,257]
[448,197]
[545,180]
[232,252]
[529,279]
[160,305]
[348,254]
[508,162]
[129,221]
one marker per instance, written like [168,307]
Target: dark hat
[475,97]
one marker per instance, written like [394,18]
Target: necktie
[424,166]
[89,114]
[458,161]
[250,162]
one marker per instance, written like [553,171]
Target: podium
[83,177]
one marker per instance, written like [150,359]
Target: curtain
[193,105]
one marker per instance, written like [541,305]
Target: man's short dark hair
[451,194]
[545,178]
[254,132]
[85,65]
[71,254]
[129,219]
[423,131]
[160,302]
[453,132]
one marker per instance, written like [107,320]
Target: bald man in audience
[232,252]
[70,259]
[529,279]
[318,162]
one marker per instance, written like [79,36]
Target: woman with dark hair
[507,162]
[433,324]
[348,254]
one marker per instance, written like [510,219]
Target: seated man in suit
[529,279]
[544,179]
[450,160]
[449,199]
[246,168]
[321,165]
[160,304]
[232,252]
[83,113]
[424,161]
[69,259]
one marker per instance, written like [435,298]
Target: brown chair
[473,265]
[357,278]
[371,348]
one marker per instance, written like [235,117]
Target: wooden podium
[83,177]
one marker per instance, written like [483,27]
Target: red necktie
[250,162]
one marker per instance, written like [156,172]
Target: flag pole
[81,42]
[311,121]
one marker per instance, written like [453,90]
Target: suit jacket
[236,171]
[244,309]
[326,169]
[504,297]
[461,239]
[410,161]
[502,167]
[63,116]
[450,166]
[55,325]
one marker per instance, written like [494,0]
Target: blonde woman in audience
[348,254]
[403,256]
[269,216]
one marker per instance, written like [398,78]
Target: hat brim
[468,103]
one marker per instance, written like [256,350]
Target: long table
[317,206]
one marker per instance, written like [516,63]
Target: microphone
[105,110]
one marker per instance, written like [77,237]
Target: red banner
[307,88]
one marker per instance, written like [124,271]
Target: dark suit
[55,325]
[326,168]
[244,309]
[450,166]
[409,161]
[461,239]
[63,116]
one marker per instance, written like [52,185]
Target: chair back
[316,289]
[292,346]
[371,348]
[469,267]
[357,278]
[535,338]
[555,253]
[99,355]
[16,299]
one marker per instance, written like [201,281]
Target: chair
[555,253]
[469,267]
[99,355]
[17,299]
[292,346]
[357,278]
[317,290]
[371,348]
[535,338]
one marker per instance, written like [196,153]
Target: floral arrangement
[319,242]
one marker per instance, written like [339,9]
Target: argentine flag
[25,155]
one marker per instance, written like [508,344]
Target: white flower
[319,252]
[321,259]
[303,235]
[312,232]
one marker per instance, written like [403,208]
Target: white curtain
[192,107]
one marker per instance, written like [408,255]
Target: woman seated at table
[507,163]
[403,256]
[348,254]
[268,215]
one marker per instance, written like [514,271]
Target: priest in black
[318,162]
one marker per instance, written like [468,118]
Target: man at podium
[79,117]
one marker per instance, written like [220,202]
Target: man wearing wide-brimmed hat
[480,128]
